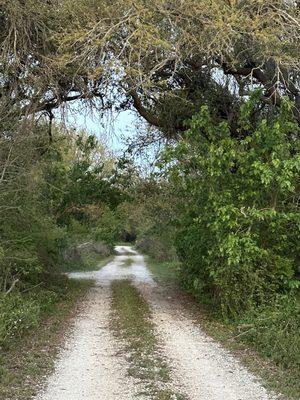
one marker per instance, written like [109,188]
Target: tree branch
[12,286]
[271,94]
[258,74]
[149,117]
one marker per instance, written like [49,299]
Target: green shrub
[107,230]
[157,245]
[238,235]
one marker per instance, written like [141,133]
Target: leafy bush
[238,234]
[157,245]
[149,217]
[51,196]
[108,228]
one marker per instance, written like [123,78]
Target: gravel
[200,365]
[90,366]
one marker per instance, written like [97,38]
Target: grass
[163,272]
[125,244]
[26,360]
[275,375]
[91,261]
[131,322]
[128,262]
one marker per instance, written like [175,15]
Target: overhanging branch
[149,117]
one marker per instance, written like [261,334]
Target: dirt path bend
[89,368]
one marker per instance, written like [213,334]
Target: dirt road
[93,366]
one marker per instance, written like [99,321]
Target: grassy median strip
[132,323]
[127,262]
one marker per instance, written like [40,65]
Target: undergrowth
[31,322]
[88,262]
[22,309]
[166,272]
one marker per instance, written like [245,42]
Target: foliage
[148,216]
[51,195]
[80,178]
[108,230]
[25,363]
[27,232]
[17,315]
[163,58]
[229,201]
[238,237]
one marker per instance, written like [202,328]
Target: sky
[111,129]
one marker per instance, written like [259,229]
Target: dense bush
[52,196]
[239,230]
[29,235]
[149,218]
[108,228]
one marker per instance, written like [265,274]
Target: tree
[148,55]
[44,188]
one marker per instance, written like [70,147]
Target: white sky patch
[111,128]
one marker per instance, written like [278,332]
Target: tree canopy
[165,59]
